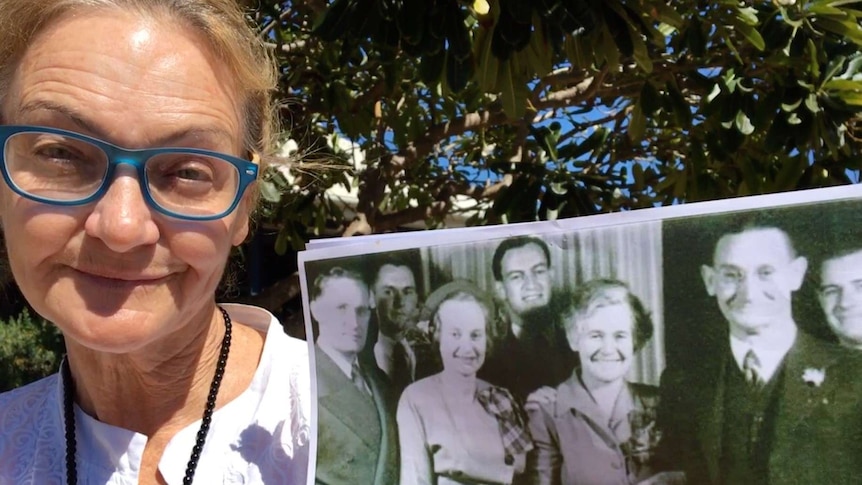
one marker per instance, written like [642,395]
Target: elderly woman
[600,430]
[454,428]
[131,134]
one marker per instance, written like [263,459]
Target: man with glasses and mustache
[532,352]
[770,404]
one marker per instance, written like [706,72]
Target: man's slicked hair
[515,243]
[755,222]
[396,259]
[333,273]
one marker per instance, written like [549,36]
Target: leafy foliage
[511,110]
[30,348]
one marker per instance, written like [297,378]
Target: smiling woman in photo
[454,428]
[600,429]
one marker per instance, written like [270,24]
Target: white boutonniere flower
[814,377]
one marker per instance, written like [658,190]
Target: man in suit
[357,442]
[532,351]
[840,295]
[769,404]
[401,350]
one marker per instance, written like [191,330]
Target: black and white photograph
[763,380]
[713,343]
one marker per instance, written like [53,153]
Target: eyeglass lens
[61,168]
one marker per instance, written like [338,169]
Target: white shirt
[261,437]
[769,353]
[384,352]
[344,365]
[338,359]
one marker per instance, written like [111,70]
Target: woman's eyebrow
[208,134]
[59,109]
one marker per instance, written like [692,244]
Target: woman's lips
[120,279]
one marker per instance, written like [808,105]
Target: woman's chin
[462,370]
[119,343]
[609,375]
[119,333]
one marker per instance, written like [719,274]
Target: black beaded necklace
[69,397]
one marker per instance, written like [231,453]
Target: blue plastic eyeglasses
[65,168]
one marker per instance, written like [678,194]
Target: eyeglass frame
[137,158]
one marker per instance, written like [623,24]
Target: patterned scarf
[500,404]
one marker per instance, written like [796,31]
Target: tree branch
[392,221]
[274,297]
[274,22]
[480,192]
[418,149]
[359,226]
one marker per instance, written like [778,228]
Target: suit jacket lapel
[343,399]
[796,394]
[710,412]
[379,393]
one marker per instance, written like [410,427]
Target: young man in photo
[400,350]
[357,435]
[532,351]
[840,296]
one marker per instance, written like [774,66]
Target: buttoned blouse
[576,443]
[260,437]
[445,441]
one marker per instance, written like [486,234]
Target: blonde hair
[221,22]
[460,290]
[594,294]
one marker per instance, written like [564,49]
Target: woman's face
[115,275]
[463,339]
[603,340]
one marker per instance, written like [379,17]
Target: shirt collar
[111,451]
[345,365]
[175,457]
[386,342]
[572,395]
[384,349]
[769,353]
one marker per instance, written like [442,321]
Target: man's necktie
[751,369]
[357,378]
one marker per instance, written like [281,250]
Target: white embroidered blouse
[261,437]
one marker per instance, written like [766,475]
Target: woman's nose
[122,219]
